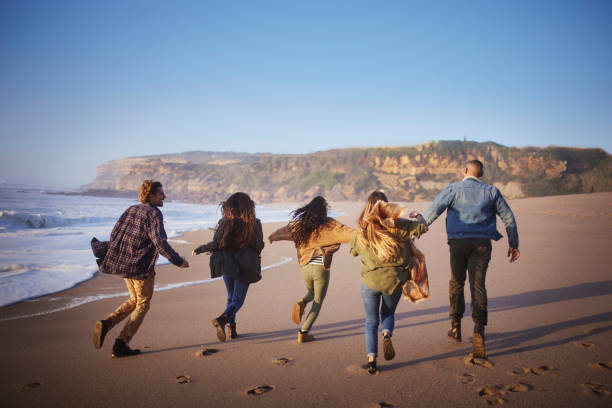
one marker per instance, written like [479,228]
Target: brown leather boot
[478,342]
[219,324]
[304,337]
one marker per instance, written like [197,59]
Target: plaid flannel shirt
[136,242]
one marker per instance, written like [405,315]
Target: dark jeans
[471,255]
[236,294]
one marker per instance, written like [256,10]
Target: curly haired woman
[316,237]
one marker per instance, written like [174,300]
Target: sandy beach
[549,338]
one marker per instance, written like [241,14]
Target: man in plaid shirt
[135,244]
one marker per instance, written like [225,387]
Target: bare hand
[194,253]
[514,254]
[185,264]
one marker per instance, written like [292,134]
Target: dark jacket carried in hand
[241,264]
[136,241]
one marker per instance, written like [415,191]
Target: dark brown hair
[237,222]
[307,220]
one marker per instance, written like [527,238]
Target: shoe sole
[296,314]
[113,355]
[478,347]
[98,336]
[388,350]
[220,330]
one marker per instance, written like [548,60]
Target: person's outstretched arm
[439,205]
[281,234]
[157,234]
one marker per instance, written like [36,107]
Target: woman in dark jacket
[235,255]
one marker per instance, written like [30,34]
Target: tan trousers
[141,292]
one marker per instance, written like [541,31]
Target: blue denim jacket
[472,207]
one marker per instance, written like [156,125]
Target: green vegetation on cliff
[406,173]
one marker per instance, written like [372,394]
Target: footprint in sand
[478,362]
[519,370]
[496,401]
[543,370]
[595,388]
[606,366]
[30,386]
[584,344]
[183,379]
[384,404]
[261,389]
[519,387]
[491,390]
[467,378]
[282,361]
[206,352]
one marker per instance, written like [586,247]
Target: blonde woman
[382,243]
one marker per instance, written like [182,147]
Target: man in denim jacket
[472,207]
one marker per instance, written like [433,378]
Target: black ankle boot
[120,349]
[455,331]
[231,331]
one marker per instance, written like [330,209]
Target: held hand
[414,214]
[185,264]
[194,253]
[514,254]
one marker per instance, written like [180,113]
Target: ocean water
[45,238]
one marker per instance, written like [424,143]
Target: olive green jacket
[386,276]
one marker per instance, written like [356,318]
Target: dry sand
[550,330]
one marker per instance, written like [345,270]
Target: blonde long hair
[377,229]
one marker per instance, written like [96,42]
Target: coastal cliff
[414,173]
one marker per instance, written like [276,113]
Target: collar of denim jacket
[471,177]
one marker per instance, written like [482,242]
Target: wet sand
[549,338]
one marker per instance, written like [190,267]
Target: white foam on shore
[80,301]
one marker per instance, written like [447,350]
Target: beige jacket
[326,243]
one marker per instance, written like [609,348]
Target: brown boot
[231,331]
[298,312]
[478,342]
[100,329]
[219,324]
[304,337]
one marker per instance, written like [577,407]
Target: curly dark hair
[307,221]
[238,221]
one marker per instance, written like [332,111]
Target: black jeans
[471,255]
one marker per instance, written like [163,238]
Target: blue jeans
[236,294]
[377,311]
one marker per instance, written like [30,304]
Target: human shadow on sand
[502,303]
[499,344]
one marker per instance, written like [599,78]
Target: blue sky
[84,82]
